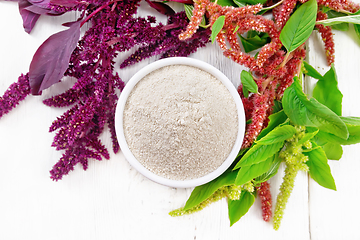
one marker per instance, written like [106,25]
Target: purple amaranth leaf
[52,59]
[42,7]
[65,3]
[29,18]
[40,3]
[38,10]
[30,12]
[44,2]
[161,7]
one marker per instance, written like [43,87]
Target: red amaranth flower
[247,103]
[198,13]
[258,117]
[327,37]
[241,58]
[340,5]
[283,13]
[264,193]
[240,12]
[220,39]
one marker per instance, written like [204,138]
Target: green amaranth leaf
[254,41]
[189,10]
[277,106]
[278,134]
[326,91]
[241,154]
[333,151]
[275,120]
[271,172]
[355,19]
[357,30]
[216,27]
[203,192]
[254,2]
[246,95]
[239,3]
[311,113]
[299,26]
[258,153]
[247,173]
[238,208]
[325,9]
[319,168]
[341,26]
[236,28]
[248,82]
[224,3]
[310,71]
[353,126]
[308,136]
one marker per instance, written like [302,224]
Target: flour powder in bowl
[180,123]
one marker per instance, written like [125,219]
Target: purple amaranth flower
[168,44]
[92,100]
[63,120]
[93,94]
[14,94]
[70,158]
[63,100]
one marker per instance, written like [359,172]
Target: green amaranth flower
[232,192]
[295,160]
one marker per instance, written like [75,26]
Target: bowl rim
[120,130]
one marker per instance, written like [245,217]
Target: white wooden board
[112,201]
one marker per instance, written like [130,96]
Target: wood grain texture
[112,201]
[334,214]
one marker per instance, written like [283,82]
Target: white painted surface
[112,201]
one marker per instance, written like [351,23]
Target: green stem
[285,59]
[272,6]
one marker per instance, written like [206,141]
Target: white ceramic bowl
[120,129]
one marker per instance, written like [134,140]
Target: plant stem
[95,12]
[285,59]
[272,6]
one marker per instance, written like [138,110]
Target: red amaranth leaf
[52,59]
[161,7]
